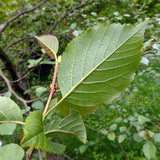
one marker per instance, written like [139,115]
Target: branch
[19,40]
[19,14]
[11,68]
[70,11]
[11,90]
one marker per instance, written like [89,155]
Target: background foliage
[128,128]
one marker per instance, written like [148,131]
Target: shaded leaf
[11,152]
[33,62]
[49,43]
[7,128]
[65,107]
[70,125]
[37,104]
[35,137]
[83,148]
[9,111]
[100,63]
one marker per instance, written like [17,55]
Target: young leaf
[111,136]
[99,63]
[149,150]
[121,138]
[49,43]
[35,137]
[70,125]
[9,111]
[11,152]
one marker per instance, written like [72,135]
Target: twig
[69,158]
[92,128]
[101,117]
[11,90]
[39,154]
[52,89]
[20,14]
[19,40]
[123,149]
[70,11]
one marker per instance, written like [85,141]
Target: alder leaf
[11,152]
[65,107]
[35,137]
[99,63]
[149,150]
[9,111]
[70,125]
[7,128]
[49,43]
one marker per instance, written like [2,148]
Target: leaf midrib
[72,89]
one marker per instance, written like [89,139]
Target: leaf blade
[70,125]
[35,137]
[88,84]
[9,111]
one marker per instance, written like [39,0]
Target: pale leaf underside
[100,63]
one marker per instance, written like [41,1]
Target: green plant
[96,66]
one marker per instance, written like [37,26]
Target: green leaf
[156,137]
[111,136]
[149,150]
[65,107]
[70,125]
[9,111]
[49,43]
[37,105]
[113,127]
[11,152]
[83,148]
[35,137]
[121,138]
[40,91]
[33,62]
[7,129]
[100,63]
[142,119]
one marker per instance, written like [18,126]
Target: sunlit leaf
[121,138]
[111,136]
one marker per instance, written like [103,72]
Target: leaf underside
[11,152]
[70,125]
[49,43]
[35,137]
[100,63]
[9,111]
